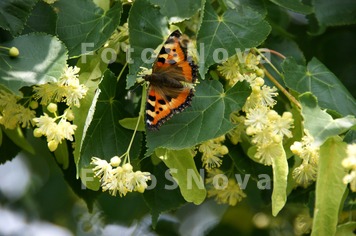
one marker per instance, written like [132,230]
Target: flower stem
[273,80]
[122,71]
[142,109]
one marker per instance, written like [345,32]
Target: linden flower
[54,132]
[231,194]
[119,178]
[68,89]
[230,70]
[267,93]
[305,174]
[235,134]
[257,118]
[212,151]
[303,224]
[349,163]
[306,150]
[12,114]
[267,151]
[281,125]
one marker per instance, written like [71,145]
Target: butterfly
[171,84]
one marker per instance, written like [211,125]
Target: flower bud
[37,133]
[14,52]
[115,161]
[52,145]
[52,107]
[33,104]
[127,167]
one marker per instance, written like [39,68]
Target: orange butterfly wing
[171,83]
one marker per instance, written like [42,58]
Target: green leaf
[130,123]
[207,118]
[319,123]
[280,176]
[256,5]
[42,19]
[177,10]
[223,36]
[14,13]
[182,168]
[162,196]
[346,229]
[17,137]
[329,187]
[85,27]
[42,59]
[104,136]
[294,5]
[317,79]
[8,149]
[285,46]
[62,155]
[91,72]
[148,29]
[331,13]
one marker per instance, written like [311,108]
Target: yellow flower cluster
[266,127]
[117,177]
[240,66]
[55,132]
[219,186]
[12,113]
[213,151]
[349,163]
[68,89]
[306,173]
[224,190]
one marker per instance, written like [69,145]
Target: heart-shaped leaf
[178,10]
[317,79]
[42,59]
[223,36]
[319,123]
[207,118]
[85,27]
[14,13]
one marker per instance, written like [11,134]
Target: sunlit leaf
[182,168]
[280,175]
[42,59]
[319,123]
[329,187]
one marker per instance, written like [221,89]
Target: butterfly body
[171,84]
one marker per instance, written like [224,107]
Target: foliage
[269,130]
